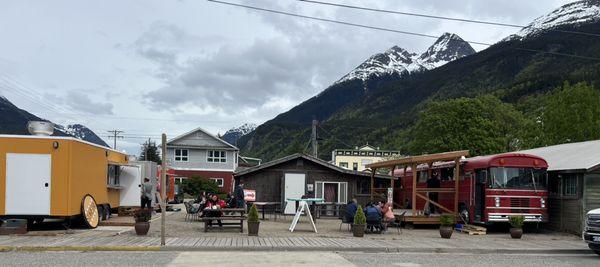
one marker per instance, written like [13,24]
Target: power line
[442,17]
[115,135]
[334,137]
[387,29]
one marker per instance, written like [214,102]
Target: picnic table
[263,206]
[312,202]
[230,218]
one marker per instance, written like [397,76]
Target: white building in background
[357,158]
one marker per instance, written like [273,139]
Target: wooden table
[263,206]
[234,214]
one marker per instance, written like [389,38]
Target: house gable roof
[309,158]
[572,156]
[200,138]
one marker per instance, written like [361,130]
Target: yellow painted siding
[78,169]
[356,159]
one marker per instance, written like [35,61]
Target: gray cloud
[80,101]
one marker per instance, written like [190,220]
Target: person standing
[239,195]
[147,194]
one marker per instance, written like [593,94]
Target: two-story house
[199,153]
[357,158]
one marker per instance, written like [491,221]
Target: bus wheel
[89,210]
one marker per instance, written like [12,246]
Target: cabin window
[344,165]
[219,181]
[181,155]
[112,177]
[363,186]
[570,185]
[355,166]
[332,192]
[216,156]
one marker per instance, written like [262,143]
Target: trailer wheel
[89,210]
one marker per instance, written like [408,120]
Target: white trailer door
[131,191]
[294,188]
[28,185]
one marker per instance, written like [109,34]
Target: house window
[112,177]
[332,192]
[179,180]
[366,162]
[344,165]
[219,181]
[570,185]
[355,166]
[181,155]
[216,156]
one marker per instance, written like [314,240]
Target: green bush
[516,221]
[447,220]
[360,218]
[196,184]
[253,214]
[142,215]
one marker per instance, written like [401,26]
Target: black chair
[398,222]
[279,210]
[345,217]
[189,214]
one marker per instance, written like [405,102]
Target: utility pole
[115,135]
[163,191]
[313,139]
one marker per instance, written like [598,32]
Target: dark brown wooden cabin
[299,174]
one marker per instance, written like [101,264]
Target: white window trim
[180,178]
[219,179]
[208,153]
[187,158]
[339,188]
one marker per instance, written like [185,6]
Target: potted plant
[446,225]
[516,226]
[142,221]
[253,222]
[360,223]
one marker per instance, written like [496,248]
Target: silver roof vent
[40,128]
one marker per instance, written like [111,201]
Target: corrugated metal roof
[573,156]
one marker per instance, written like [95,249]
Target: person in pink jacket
[388,215]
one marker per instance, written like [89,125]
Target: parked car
[591,232]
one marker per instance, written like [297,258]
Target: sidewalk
[458,244]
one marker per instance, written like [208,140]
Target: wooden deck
[417,219]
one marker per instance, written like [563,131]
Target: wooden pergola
[413,162]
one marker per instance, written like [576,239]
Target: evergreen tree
[150,152]
[572,114]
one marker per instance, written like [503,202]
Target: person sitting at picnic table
[213,208]
[388,215]
[373,217]
[231,201]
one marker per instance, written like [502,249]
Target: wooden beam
[436,190]
[456,178]
[446,156]
[434,203]
[414,188]
[403,187]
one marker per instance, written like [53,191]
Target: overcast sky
[147,67]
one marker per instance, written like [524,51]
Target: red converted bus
[491,188]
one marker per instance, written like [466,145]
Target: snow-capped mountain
[81,132]
[575,13]
[233,134]
[397,60]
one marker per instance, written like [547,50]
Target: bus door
[480,185]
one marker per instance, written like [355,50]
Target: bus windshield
[517,178]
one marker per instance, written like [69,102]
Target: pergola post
[456,178]
[392,185]
[413,168]
[373,170]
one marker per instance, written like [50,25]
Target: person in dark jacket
[239,195]
[433,182]
[373,215]
[351,210]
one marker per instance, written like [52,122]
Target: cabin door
[28,179]
[295,184]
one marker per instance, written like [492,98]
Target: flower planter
[516,233]
[446,231]
[253,228]
[141,228]
[358,230]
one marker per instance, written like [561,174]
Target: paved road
[329,259]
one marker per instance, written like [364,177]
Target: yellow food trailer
[58,177]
